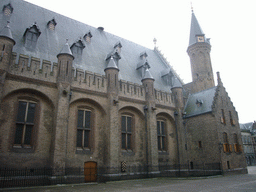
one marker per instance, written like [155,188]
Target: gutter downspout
[178,147]
[146,136]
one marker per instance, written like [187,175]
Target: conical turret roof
[177,83]
[6,32]
[147,75]
[111,64]
[66,50]
[195,30]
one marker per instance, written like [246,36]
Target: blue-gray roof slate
[200,103]
[50,43]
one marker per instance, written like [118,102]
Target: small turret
[112,76]
[6,45]
[65,60]
[148,82]
[177,93]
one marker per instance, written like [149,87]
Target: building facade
[248,131]
[98,98]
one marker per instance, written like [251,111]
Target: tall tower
[199,52]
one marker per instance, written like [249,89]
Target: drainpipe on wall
[178,148]
[146,136]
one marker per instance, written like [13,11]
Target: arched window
[126,131]
[84,129]
[161,135]
[25,122]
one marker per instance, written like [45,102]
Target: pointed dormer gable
[143,64]
[77,47]
[7,9]
[87,37]
[143,55]
[52,24]
[196,33]
[115,54]
[118,47]
[31,36]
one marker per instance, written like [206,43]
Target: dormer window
[143,55]
[31,35]
[8,9]
[77,49]
[87,37]
[118,47]
[51,24]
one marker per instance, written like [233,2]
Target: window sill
[20,149]
[163,153]
[83,151]
[128,153]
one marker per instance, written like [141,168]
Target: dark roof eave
[185,117]
[8,38]
[65,54]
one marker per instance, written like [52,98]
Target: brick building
[100,99]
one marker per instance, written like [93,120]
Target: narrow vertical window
[226,146]
[223,121]
[237,147]
[232,122]
[24,124]
[161,135]
[83,129]
[200,144]
[126,130]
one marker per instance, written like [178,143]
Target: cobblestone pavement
[232,183]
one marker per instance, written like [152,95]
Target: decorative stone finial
[155,40]
[191,7]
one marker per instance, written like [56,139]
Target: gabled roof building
[76,96]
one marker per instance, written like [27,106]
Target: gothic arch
[166,115]
[92,102]
[132,108]
[32,92]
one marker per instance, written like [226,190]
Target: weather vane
[191,7]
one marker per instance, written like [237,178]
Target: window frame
[162,137]
[84,129]
[127,133]
[25,125]
[19,148]
[226,146]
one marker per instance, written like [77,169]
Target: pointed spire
[112,64]
[147,75]
[6,32]
[176,83]
[195,30]
[218,78]
[66,50]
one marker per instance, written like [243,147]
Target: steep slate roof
[50,43]
[246,126]
[195,30]
[200,103]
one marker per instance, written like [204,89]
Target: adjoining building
[248,131]
[99,100]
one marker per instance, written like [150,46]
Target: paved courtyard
[232,183]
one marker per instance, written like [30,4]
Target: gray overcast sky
[231,25]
